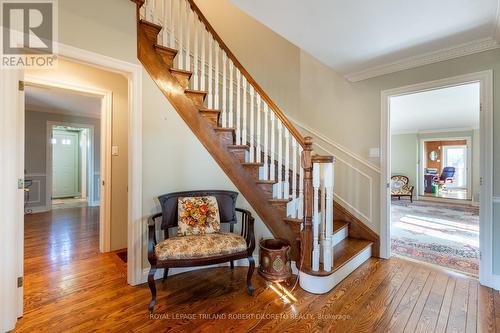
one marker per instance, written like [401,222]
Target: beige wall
[87,76]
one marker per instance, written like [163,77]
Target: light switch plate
[114,150]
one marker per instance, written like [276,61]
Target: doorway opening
[436,158]
[76,203]
[72,166]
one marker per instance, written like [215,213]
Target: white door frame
[423,157]
[11,170]
[105,165]
[485,78]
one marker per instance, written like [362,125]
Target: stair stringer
[204,131]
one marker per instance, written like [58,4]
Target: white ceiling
[442,109]
[358,38]
[62,101]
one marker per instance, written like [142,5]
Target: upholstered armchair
[400,187]
[201,249]
[447,176]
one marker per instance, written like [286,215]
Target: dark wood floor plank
[71,287]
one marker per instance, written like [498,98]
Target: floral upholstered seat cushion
[198,215]
[200,246]
[399,185]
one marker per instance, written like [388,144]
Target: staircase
[268,160]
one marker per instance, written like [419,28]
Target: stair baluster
[172,33]
[195,52]
[286,183]
[203,54]
[224,91]
[272,155]
[210,95]
[231,94]
[188,38]
[180,46]
[238,107]
[252,124]
[266,141]
[244,112]
[259,148]
[216,77]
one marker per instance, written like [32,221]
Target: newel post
[306,234]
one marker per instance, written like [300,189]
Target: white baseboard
[36,209]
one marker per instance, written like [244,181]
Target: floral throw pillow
[198,215]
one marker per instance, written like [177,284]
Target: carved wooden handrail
[293,130]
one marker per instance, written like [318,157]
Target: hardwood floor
[71,287]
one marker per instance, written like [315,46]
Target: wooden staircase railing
[267,137]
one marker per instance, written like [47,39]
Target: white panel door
[65,164]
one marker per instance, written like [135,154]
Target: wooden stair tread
[225,129]
[164,48]
[279,201]
[181,71]
[238,147]
[271,182]
[293,220]
[252,164]
[151,24]
[210,110]
[191,91]
[343,252]
[339,225]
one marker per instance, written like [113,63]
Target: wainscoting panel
[357,181]
[37,193]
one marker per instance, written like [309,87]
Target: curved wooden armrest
[247,228]
[152,236]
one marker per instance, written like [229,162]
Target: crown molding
[429,58]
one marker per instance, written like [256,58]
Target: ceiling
[436,110]
[362,39]
[63,101]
